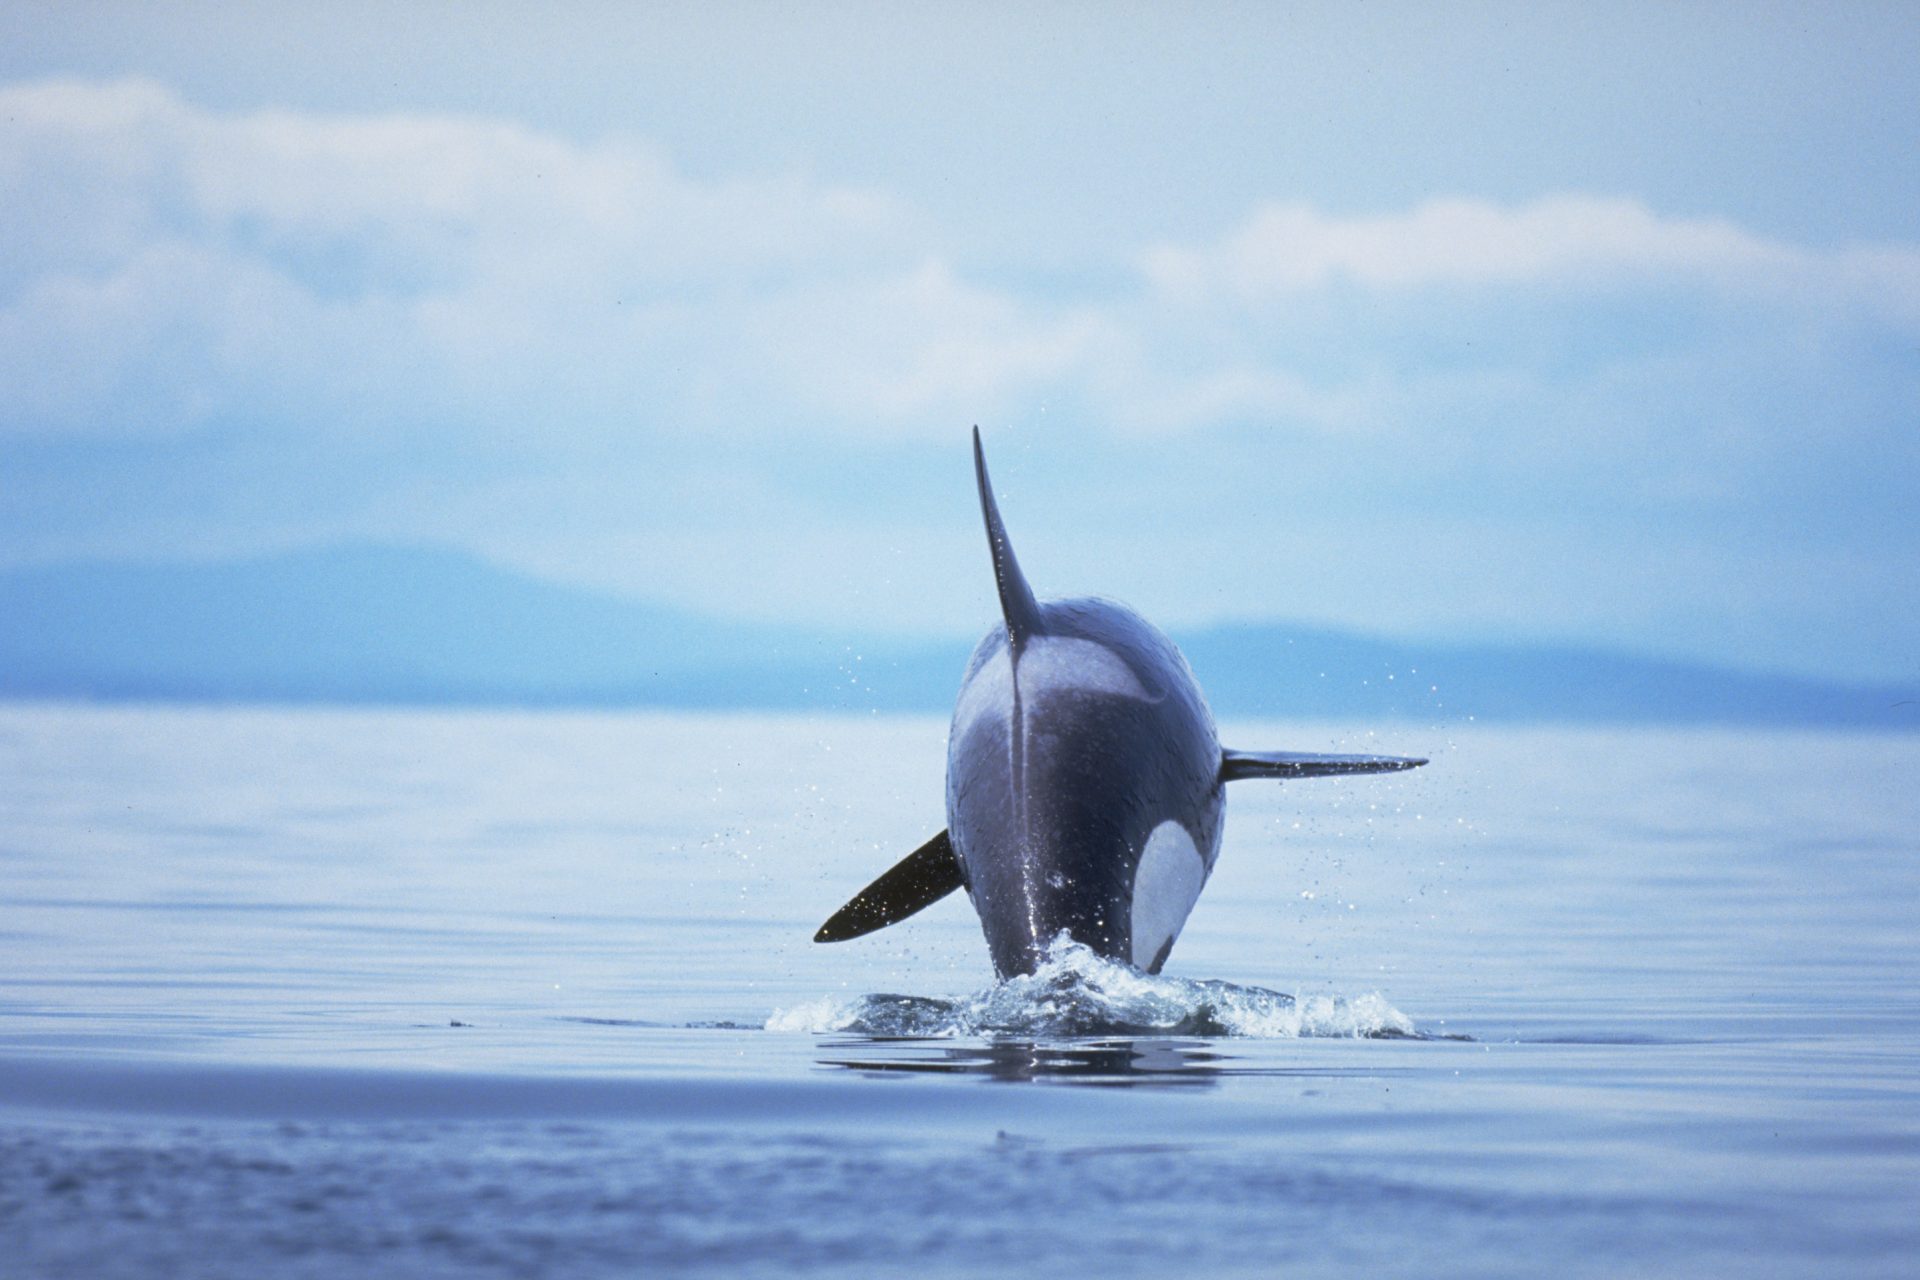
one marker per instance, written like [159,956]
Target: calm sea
[311,993]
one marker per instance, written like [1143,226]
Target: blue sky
[1503,321]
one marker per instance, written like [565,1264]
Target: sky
[1556,322]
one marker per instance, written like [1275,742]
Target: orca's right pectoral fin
[917,881]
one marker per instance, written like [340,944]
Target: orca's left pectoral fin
[1235,765]
[912,884]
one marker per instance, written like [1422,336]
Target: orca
[1085,783]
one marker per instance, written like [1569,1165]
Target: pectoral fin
[918,880]
[1235,765]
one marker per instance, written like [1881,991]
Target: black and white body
[1085,783]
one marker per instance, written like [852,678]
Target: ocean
[290,993]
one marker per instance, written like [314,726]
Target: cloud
[458,195]
[1564,240]
[174,270]
[449,328]
[172,267]
[911,345]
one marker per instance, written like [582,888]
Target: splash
[1077,992]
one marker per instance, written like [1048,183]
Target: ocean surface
[312,993]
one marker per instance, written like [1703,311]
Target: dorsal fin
[1017,604]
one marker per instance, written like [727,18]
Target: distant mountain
[382,625]
[1268,669]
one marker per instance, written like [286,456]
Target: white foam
[824,1014]
[1077,992]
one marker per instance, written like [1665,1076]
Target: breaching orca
[1085,783]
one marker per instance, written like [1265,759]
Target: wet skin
[1061,766]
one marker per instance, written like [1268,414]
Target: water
[284,993]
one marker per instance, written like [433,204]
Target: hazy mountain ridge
[385,625]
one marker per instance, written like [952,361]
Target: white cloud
[1288,249]
[467,195]
[924,343]
[471,282]
[445,328]
[169,267]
